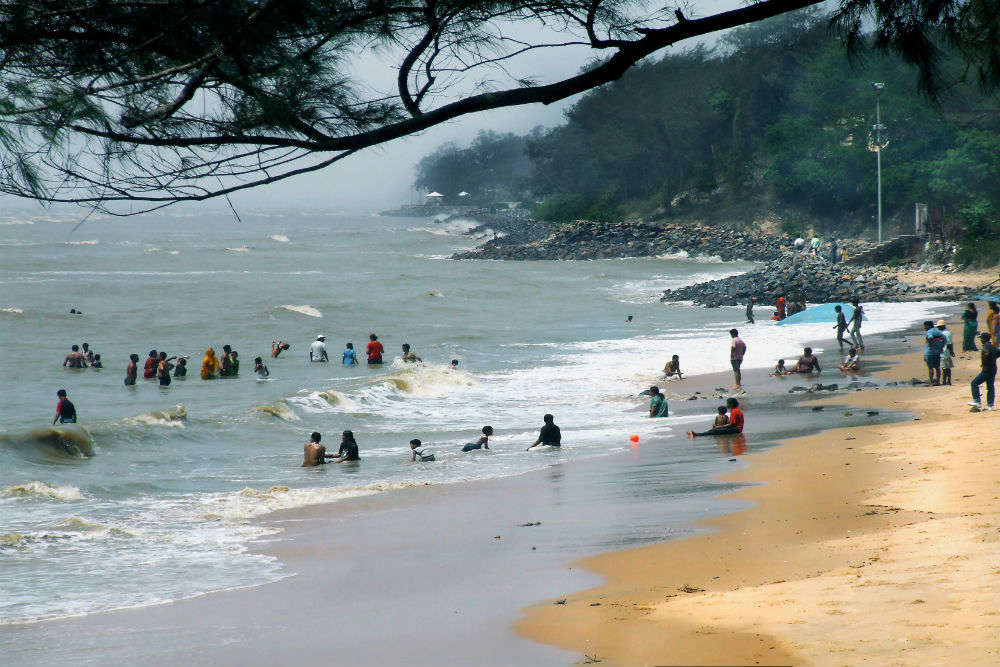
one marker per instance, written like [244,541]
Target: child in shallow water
[482,443]
[721,419]
[780,369]
[419,454]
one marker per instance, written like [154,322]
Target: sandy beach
[865,545]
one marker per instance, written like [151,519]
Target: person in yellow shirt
[209,365]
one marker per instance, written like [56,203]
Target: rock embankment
[599,240]
[807,278]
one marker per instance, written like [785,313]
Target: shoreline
[878,551]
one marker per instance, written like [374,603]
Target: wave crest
[38,489]
[303,310]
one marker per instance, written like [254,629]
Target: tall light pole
[878,150]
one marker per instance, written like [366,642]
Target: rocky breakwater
[813,279]
[599,240]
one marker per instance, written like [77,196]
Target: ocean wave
[13,540]
[280,238]
[62,441]
[80,242]
[42,490]
[280,410]
[685,255]
[250,502]
[79,524]
[424,379]
[326,401]
[173,417]
[17,222]
[12,311]
[241,248]
[303,310]
[433,292]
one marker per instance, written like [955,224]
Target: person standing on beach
[549,435]
[65,410]
[75,358]
[737,349]
[314,454]
[780,307]
[734,426]
[970,320]
[814,246]
[833,251]
[132,370]
[988,373]
[317,351]
[750,319]
[947,353]
[933,346]
[657,404]
[374,350]
[993,323]
[841,327]
[856,317]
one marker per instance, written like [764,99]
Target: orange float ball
[634,438]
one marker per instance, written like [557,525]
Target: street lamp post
[878,150]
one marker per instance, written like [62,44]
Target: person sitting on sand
[549,435]
[132,370]
[721,419]
[350,355]
[482,443]
[734,426]
[807,362]
[780,370]
[259,368]
[673,367]
[181,370]
[149,369]
[65,410]
[75,358]
[209,365]
[277,347]
[419,454]
[851,360]
[314,454]
[658,403]
[348,449]
[408,356]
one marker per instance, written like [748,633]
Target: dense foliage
[776,121]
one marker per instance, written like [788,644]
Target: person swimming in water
[277,347]
[209,365]
[317,351]
[374,350]
[163,369]
[408,356]
[454,364]
[75,358]
[549,435]
[259,368]
[132,370]
[149,369]
[97,362]
[348,449]
[226,362]
[88,353]
[314,454]
[181,370]
[234,363]
[419,454]
[350,355]
[482,443]
[65,410]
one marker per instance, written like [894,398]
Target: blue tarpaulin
[820,313]
[985,297]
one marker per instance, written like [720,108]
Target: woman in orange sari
[209,365]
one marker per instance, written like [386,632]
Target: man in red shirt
[374,350]
[734,426]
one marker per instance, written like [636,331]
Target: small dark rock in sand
[563,601]
[690,589]
[817,408]
[872,413]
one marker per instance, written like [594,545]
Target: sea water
[151,497]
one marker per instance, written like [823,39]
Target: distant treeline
[774,123]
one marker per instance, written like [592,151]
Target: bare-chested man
[132,370]
[315,453]
[75,358]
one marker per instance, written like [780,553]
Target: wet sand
[871,545]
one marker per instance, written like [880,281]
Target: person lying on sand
[314,454]
[734,426]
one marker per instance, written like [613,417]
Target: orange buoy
[634,438]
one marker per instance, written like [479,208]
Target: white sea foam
[241,248]
[12,311]
[303,310]
[250,503]
[280,238]
[450,228]
[17,222]
[80,242]
[173,417]
[42,490]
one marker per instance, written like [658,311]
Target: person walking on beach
[657,404]
[314,454]
[993,323]
[734,426]
[988,373]
[209,365]
[841,327]
[970,324]
[374,350]
[317,351]
[132,370]
[947,353]
[737,349]
[65,410]
[933,346]
[482,443]
[75,358]
[549,435]
[149,369]
[750,302]
[855,332]
[348,449]
[350,355]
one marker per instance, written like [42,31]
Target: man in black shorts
[737,348]
[65,410]
[549,435]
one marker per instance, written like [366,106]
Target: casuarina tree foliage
[107,102]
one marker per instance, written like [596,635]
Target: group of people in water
[314,453]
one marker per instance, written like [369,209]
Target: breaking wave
[279,410]
[61,442]
[41,490]
[303,310]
